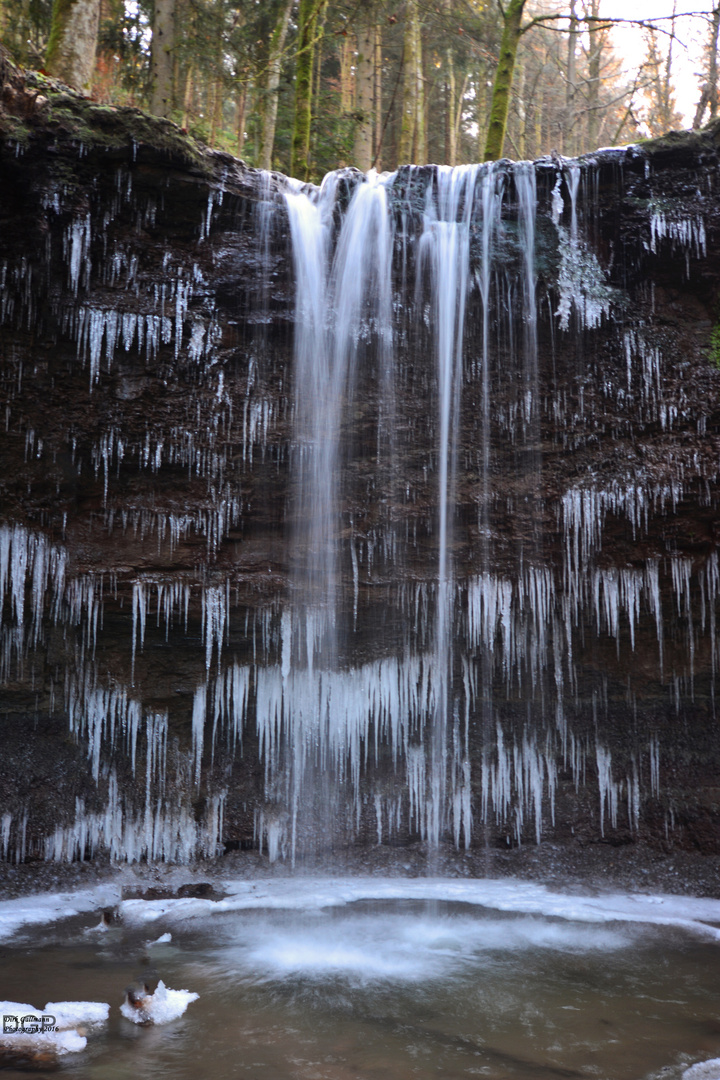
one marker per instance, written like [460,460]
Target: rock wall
[154,700]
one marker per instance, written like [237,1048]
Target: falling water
[441,652]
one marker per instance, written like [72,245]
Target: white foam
[404,947]
[161,1007]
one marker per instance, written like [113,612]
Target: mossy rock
[32,103]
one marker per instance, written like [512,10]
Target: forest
[305,86]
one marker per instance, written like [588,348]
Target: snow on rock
[703,1070]
[159,1008]
[164,939]
[73,1014]
[56,1030]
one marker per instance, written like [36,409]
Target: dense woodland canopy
[307,85]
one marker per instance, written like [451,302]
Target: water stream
[327,979]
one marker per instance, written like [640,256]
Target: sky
[687,51]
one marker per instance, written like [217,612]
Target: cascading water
[413,605]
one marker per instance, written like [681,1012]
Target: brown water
[397,990]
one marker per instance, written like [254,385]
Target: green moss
[714,351]
[73,117]
[60,15]
[13,130]
[674,142]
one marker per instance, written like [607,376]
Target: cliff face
[485,615]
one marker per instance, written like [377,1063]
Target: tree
[73,41]
[308,17]
[161,58]
[597,42]
[661,114]
[269,105]
[502,85]
[365,78]
[571,87]
[709,93]
[412,129]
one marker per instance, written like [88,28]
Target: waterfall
[416,591]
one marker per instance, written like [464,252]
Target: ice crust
[43,908]
[693,914]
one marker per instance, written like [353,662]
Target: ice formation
[56,1030]
[160,1007]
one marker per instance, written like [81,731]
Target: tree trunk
[377,99]
[188,98]
[569,125]
[240,114]
[709,96]
[713,65]
[363,142]
[481,112]
[346,78]
[308,13]
[521,113]
[500,102]
[216,118]
[317,78]
[450,142]
[412,134]
[594,68]
[420,147]
[161,58]
[270,99]
[540,101]
[73,40]
[458,117]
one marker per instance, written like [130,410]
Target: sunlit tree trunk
[161,58]
[73,38]
[346,77]
[570,86]
[412,126]
[539,101]
[269,100]
[459,106]
[420,146]
[308,15]
[378,73]
[709,95]
[502,86]
[481,113]
[450,130]
[521,113]
[713,64]
[365,68]
[594,68]
[316,102]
